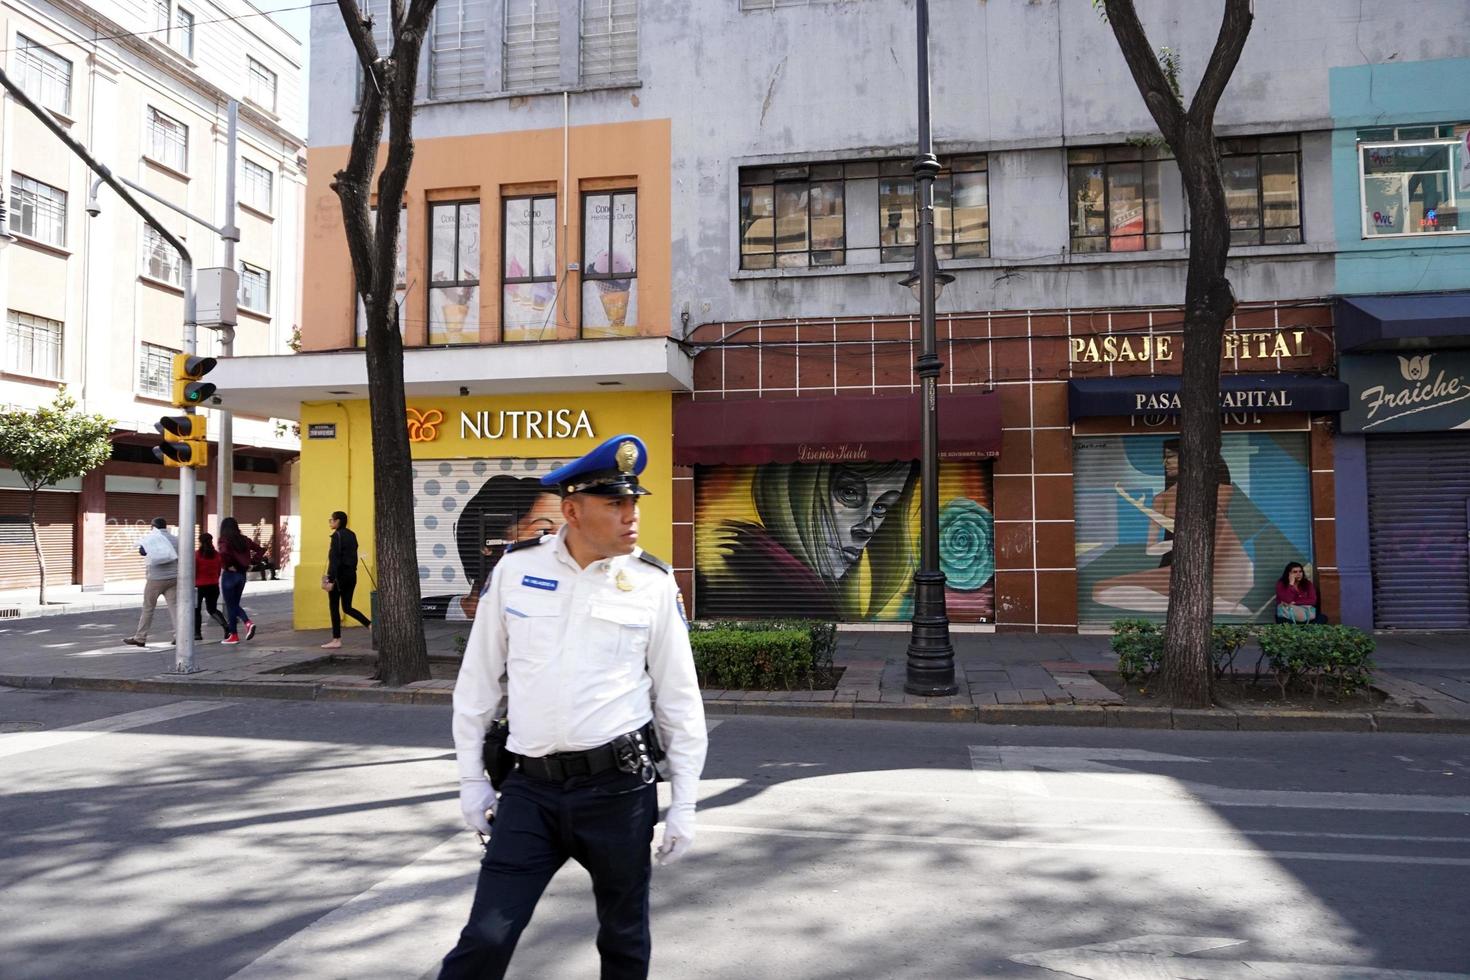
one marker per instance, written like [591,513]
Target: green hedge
[737,658]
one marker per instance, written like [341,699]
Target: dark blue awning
[1159,394]
[1368,323]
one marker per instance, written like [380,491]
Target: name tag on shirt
[548,584]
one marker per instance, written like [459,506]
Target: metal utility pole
[225,464]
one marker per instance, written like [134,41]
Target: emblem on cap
[627,456]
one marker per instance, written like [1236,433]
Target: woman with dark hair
[340,580]
[207,566]
[1296,596]
[237,554]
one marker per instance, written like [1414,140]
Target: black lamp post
[930,653]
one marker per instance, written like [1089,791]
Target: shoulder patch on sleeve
[526,543]
[658,563]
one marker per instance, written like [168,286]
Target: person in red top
[1296,597]
[207,564]
[237,554]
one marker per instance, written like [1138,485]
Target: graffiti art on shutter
[837,540]
[1126,489]
[467,511]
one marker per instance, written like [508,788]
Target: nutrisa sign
[1414,391]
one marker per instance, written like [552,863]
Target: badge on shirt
[548,584]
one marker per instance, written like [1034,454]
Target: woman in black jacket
[341,577]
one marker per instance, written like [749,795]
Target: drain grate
[9,614]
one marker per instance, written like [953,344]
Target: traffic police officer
[586,630]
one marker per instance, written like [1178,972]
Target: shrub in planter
[823,636]
[1317,655]
[746,658]
[1139,644]
[1225,643]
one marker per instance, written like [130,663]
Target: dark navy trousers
[603,822]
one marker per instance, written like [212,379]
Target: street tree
[49,444]
[1209,301]
[387,90]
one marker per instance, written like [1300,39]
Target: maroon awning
[825,430]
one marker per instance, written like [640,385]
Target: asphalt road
[158,837]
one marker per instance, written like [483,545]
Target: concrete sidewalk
[69,600]
[1002,678]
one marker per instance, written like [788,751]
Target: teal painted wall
[1396,94]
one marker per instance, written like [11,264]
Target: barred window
[609,41]
[33,345]
[260,85]
[256,185]
[255,288]
[457,48]
[168,140]
[160,19]
[532,44]
[155,370]
[44,74]
[37,210]
[160,259]
[382,17]
[183,37]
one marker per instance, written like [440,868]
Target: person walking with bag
[207,567]
[340,579]
[237,554]
[160,551]
[585,634]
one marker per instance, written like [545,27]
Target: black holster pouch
[640,752]
[498,759]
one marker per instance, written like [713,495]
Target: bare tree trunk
[388,85]
[1186,676]
[36,543]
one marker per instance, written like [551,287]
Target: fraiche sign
[1422,391]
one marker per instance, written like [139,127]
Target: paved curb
[1062,715]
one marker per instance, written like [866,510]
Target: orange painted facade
[490,168]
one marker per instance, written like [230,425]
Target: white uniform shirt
[586,652]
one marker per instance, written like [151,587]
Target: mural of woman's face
[1171,464]
[544,517]
[860,503]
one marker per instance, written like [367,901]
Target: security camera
[94,209]
[216,400]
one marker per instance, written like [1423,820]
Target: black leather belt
[561,766]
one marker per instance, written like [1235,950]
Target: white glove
[477,802]
[678,833]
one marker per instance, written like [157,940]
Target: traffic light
[188,389]
[183,441]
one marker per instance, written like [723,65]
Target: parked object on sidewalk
[207,566]
[160,551]
[237,554]
[340,581]
[1296,597]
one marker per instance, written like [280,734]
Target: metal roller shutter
[1124,505]
[56,517]
[837,540]
[1418,492]
[129,517]
[257,519]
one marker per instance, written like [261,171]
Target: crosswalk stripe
[19,742]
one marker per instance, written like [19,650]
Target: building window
[528,307]
[1415,180]
[773,4]
[610,264]
[183,37]
[457,48]
[400,278]
[37,210]
[532,44]
[160,259]
[256,186]
[454,272]
[155,370]
[255,288]
[609,48]
[1125,199]
[1262,189]
[33,346]
[381,14]
[168,141]
[260,85]
[44,74]
[858,213]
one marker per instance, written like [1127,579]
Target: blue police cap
[610,470]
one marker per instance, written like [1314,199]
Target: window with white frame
[532,44]
[256,185]
[255,288]
[1415,180]
[183,34]
[260,85]
[161,19]
[168,140]
[609,41]
[610,263]
[155,370]
[33,345]
[37,210]
[160,259]
[454,272]
[44,74]
[457,48]
[528,268]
